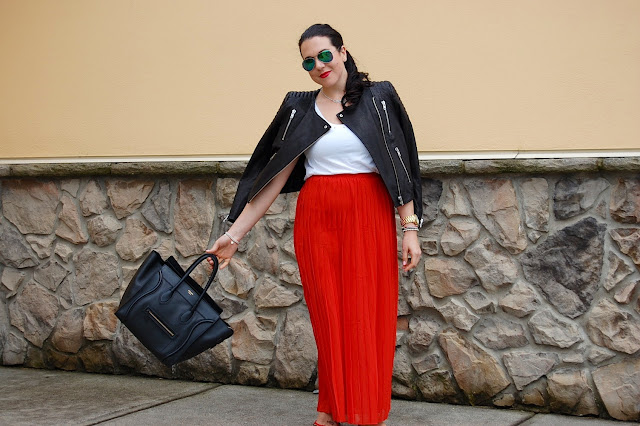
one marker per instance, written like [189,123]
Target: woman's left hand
[411,251]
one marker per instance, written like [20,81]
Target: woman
[352,146]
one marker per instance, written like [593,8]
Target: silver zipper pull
[384,107]
[403,166]
[293,112]
[384,138]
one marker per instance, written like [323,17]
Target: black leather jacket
[379,120]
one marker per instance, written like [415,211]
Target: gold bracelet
[410,219]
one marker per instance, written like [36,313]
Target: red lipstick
[325,74]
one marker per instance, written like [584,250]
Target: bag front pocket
[156,320]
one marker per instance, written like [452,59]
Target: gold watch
[410,219]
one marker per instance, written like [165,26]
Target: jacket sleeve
[412,149]
[259,159]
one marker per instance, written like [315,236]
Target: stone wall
[527,294]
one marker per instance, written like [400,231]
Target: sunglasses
[310,63]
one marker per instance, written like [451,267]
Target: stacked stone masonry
[527,295]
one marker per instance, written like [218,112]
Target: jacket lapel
[364,122]
[310,128]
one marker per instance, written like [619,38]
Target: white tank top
[339,151]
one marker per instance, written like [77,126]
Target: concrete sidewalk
[45,397]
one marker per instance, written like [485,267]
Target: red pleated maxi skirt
[346,247]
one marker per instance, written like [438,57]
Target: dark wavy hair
[356,80]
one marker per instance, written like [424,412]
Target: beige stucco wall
[204,78]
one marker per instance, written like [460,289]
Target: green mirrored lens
[325,56]
[308,64]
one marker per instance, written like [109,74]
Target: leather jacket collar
[378,119]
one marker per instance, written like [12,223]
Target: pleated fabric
[345,242]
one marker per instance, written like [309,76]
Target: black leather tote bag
[169,312]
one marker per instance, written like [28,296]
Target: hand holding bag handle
[172,328]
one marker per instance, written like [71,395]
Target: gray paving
[44,397]
[559,420]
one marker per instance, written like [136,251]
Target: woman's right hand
[224,249]
[251,213]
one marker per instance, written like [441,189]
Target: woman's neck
[337,90]
[334,92]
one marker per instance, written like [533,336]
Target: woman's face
[325,74]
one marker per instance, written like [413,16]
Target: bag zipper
[160,323]
[293,112]
[403,166]
[384,137]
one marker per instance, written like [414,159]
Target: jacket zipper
[384,107]
[160,323]
[294,159]
[384,137]
[403,166]
[293,112]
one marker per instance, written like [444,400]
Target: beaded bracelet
[233,240]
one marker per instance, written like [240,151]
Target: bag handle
[188,272]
